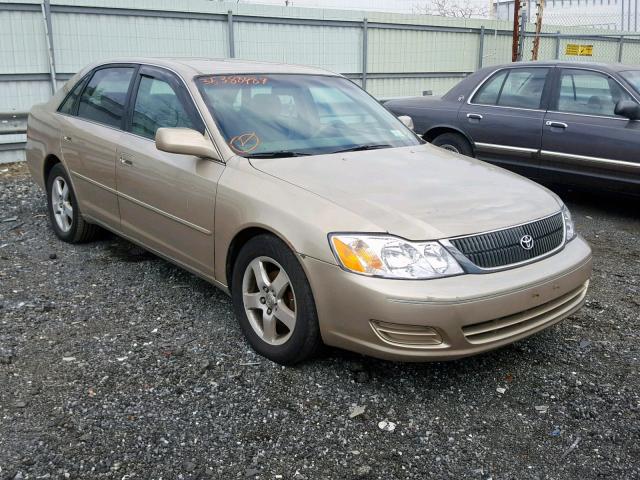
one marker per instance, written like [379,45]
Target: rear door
[504,117]
[582,136]
[166,200]
[91,129]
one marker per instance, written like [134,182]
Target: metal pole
[481,48]
[558,45]
[635,16]
[46,18]
[622,16]
[514,42]
[365,46]
[620,44]
[232,46]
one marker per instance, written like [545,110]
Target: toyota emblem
[526,242]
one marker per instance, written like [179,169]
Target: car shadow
[606,203]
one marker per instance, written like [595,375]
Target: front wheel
[273,302]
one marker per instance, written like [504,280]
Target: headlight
[569,227]
[392,257]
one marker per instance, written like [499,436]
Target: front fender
[249,198]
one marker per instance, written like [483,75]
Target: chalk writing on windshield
[234,80]
[245,143]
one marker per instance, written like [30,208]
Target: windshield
[633,77]
[290,115]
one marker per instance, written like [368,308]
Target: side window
[523,88]
[591,93]
[158,105]
[516,87]
[103,99]
[68,104]
[490,91]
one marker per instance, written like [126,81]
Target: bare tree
[451,8]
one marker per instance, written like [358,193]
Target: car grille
[502,248]
[512,325]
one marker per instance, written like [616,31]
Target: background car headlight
[392,257]
[569,227]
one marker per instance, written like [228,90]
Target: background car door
[166,200]
[91,129]
[583,137]
[504,117]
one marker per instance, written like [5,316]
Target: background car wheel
[454,142]
[64,214]
[273,302]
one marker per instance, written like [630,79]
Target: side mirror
[185,141]
[407,121]
[628,109]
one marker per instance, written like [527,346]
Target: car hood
[420,192]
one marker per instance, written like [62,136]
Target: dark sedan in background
[570,123]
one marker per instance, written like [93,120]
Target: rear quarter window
[68,104]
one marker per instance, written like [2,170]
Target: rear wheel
[64,214]
[454,142]
[273,302]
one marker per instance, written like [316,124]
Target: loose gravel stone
[127,406]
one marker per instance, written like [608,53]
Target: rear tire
[273,302]
[64,214]
[454,142]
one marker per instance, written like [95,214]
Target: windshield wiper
[359,148]
[278,154]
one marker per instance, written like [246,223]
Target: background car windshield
[633,77]
[269,114]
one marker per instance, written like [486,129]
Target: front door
[91,129]
[166,200]
[504,117]
[582,136]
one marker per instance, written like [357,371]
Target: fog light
[408,336]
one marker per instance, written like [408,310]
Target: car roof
[215,66]
[614,67]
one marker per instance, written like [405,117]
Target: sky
[399,6]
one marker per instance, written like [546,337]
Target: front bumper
[448,318]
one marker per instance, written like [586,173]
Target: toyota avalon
[323,216]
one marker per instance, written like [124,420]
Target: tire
[454,142]
[265,316]
[62,206]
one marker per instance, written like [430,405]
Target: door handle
[67,139]
[553,124]
[474,116]
[126,160]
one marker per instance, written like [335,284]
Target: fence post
[46,17]
[481,48]
[365,46]
[620,44]
[558,45]
[523,33]
[232,46]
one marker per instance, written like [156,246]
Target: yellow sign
[579,50]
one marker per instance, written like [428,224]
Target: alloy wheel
[61,204]
[269,300]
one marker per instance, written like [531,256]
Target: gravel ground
[116,364]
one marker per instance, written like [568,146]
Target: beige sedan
[324,217]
